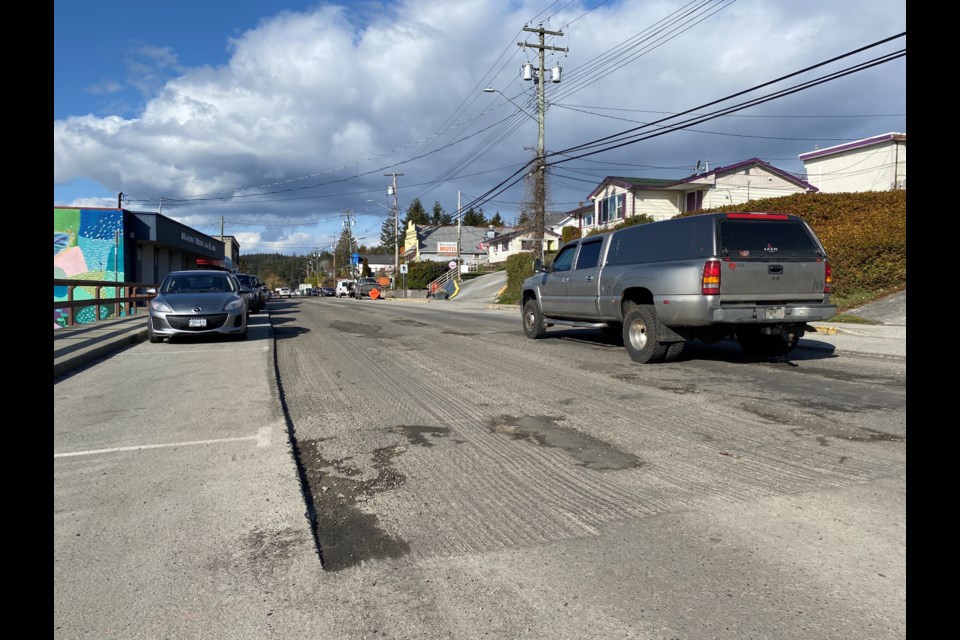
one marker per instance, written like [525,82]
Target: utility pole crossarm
[544,46]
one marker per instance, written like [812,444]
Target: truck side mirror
[537,265]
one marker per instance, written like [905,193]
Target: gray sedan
[201,302]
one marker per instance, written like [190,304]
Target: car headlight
[159,305]
[233,306]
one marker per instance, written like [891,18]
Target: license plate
[775,313]
[198,322]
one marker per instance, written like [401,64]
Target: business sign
[447,248]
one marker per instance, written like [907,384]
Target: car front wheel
[533,324]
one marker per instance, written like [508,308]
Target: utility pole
[348,222]
[539,211]
[459,238]
[396,230]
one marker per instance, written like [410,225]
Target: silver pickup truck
[756,277]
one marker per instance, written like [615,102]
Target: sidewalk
[79,345]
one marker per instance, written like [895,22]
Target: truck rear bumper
[768,314]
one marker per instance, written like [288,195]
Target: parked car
[199,302]
[327,292]
[345,288]
[255,299]
[284,292]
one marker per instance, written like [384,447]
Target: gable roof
[517,233]
[856,144]
[655,184]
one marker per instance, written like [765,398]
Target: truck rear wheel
[533,324]
[641,334]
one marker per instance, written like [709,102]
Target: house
[504,245]
[445,243]
[871,164]
[380,263]
[617,198]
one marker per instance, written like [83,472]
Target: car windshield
[186,283]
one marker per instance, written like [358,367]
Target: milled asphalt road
[163,589]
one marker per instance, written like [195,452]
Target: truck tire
[641,335]
[533,324]
[757,344]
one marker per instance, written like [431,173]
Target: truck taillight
[710,283]
[827,277]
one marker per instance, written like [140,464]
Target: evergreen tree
[438,215]
[497,221]
[474,218]
[416,214]
[387,236]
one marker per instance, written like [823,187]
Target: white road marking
[169,445]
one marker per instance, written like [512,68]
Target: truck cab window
[564,259]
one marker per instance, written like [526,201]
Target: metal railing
[126,298]
[437,284]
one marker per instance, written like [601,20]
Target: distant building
[504,245]
[445,243]
[871,164]
[116,245]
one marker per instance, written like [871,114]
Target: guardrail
[134,295]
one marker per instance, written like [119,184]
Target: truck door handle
[589,278]
[564,279]
[775,269]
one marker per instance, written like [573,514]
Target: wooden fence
[124,297]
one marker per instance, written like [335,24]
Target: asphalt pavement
[884,332]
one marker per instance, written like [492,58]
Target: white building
[872,164]
[617,198]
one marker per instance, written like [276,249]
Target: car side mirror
[537,265]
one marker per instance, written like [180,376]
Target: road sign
[453,264]
[403,268]
[354,258]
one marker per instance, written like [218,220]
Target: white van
[346,288]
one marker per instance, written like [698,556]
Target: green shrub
[420,274]
[569,233]
[519,267]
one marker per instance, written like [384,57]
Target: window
[528,245]
[589,254]
[564,259]
[612,208]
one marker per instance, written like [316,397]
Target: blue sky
[281,116]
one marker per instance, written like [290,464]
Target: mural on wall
[86,246]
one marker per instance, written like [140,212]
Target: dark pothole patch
[410,323]
[544,431]
[805,425]
[679,388]
[859,434]
[465,334]
[347,534]
[417,435]
[355,328]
